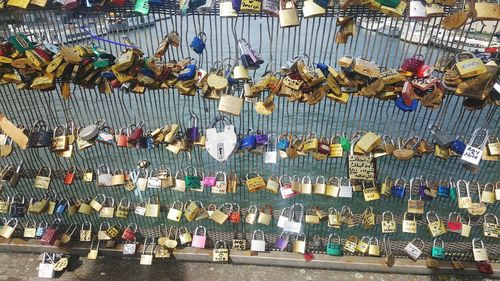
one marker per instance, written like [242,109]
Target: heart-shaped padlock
[221,145]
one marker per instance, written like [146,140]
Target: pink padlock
[425,71]
[209,181]
[199,240]
[286,188]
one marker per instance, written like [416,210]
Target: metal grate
[316,37]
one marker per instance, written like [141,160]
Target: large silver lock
[474,150]
[412,250]
[221,145]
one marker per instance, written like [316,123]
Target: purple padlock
[192,133]
[261,139]
[422,187]
[282,241]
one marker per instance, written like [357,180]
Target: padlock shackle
[373,239]
[291,215]
[406,213]
[429,213]
[467,190]
[280,181]
[330,238]
[173,230]
[438,239]
[44,169]
[387,212]
[219,242]
[474,242]
[202,228]
[86,223]
[258,231]
[146,245]
[458,216]
[418,239]
[487,215]
[333,211]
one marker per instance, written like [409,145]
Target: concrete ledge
[273,258]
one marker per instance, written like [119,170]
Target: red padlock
[51,234]
[129,232]
[484,267]
[70,176]
[122,138]
[115,84]
[42,53]
[456,224]
[425,71]
[235,216]
[413,64]
[137,133]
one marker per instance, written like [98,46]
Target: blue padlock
[229,77]
[150,143]
[108,75]
[198,43]
[42,226]
[236,5]
[188,73]
[322,3]
[61,206]
[283,142]
[401,105]
[458,145]
[155,2]
[323,67]
[248,142]
[443,190]
[399,188]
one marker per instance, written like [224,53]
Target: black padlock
[248,63]
[17,206]
[40,136]
[142,143]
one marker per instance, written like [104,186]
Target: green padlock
[193,181]
[346,145]
[334,248]
[453,193]
[142,7]
[438,252]
[101,64]
[389,3]
[21,42]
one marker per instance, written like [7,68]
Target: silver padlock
[473,151]
[414,251]
[292,225]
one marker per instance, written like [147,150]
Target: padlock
[454,225]
[235,214]
[282,241]
[180,181]
[86,233]
[198,43]
[283,217]
[174,213]
[464,202]
[93,253]
[42,180]
[199,240]
[491,229]
[439,136]
[286,189]
[8,228]
[373,247]
[66,236]
[140,209]
[30,229]
[104,176]
[265,215]
[311,217]
[4,203]
[256,244]
[487,196]
[288,16]
[220,252]
[415,206]
[16,176]
[136,133]
[219,216]
[334,248]
[140,178]
[306,185]
[333,187]
[388,226]
[123,208]
[95,203]
[51,234]
[221,145]
[39,206]
[334,219]
[436,227]
[443,189]
[69,178]
[129,232]
[88,175]
[61,206]
[409,226]
[147,251]
[85,207]
[192,180]
[480,254]
[293,224]
[363,245]
[42,226]
[473,154]
[299,244]
[345,190]
[319,187]
[351,244]
[413,251]
[117,178]
[370,193]
[108,208]
[153,207]
[255,183]
[39,136]
[59,140]
[17,207]
[438,252]
[347,217]
[270,153]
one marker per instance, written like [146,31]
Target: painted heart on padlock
[221,145]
